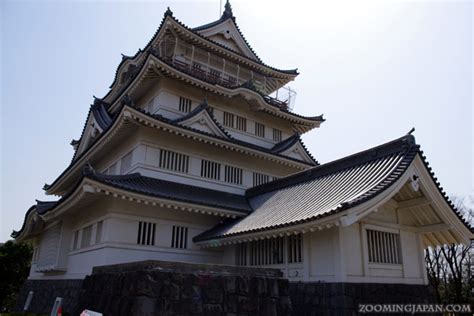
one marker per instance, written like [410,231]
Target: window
[179,239]
[146,233]
[126,163]
[86,236]
[228,119]
[241,123]
[383,247]
[75,243]
[184,105]
[266,251]
[242,254]
[98,233]
[260,178]
[174,161]
[294,248]
[259,129]
[276,135]
[233,175]
[210,169]
[214,73]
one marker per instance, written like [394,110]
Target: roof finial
[227,11]
[411,131]
[168,12]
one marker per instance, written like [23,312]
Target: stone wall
[158,288]
[344,298]
[45,293]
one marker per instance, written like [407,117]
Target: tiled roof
[322,190]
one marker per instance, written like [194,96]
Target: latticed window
[229,119]
[210,169]
[242,254]
[276,135]
[86,236]
[266,251]
[383,247]
[179,238]
[241,123]
[184,105]
[259,129]
[233,175]
[146,233]
[126,163]
[260,178]
[174,161]
[294,248]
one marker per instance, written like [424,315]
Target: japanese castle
[195,155]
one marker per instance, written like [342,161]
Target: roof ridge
[401,144]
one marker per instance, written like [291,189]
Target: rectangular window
[86,236]
[146,233]
[126,163]
[242,254]
[241,123]
[184,105]
[259,130]
[174,161]
[210,169]
[276,135]
[266,251]
[179,238]
[294,248]
[383,247]
[98,234]
[233,175]
[214,73]
[75,243]
[228,119]
[260,178]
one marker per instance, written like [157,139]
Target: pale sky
[375,69]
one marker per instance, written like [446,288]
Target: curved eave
[169,20]
[141,117]
[304,123]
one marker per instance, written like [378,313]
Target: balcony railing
[214,76]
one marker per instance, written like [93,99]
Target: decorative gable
[297,151]
[202,121]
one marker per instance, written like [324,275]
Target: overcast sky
[374,69]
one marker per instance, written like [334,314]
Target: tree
[15,261]
[450,267]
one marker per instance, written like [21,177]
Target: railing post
[192,57]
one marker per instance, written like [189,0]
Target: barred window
[259,129]
[276,135]
[210,169]
[174,161]
[126,163]
[260,178]
[266,251]
[179,238]
[146,233]
[383,247]
[228,119]
[184,105]
[75,243]
[98,232]
[242,254]
[214,73]
[86,236]
[233,175]
[294,248]
[241,123]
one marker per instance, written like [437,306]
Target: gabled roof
[291,143]
[323,190]
[202,116]
[163,121]
[227,17]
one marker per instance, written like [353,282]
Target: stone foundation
[45,293]
[344,298]
[163,288]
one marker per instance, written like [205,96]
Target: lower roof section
[323,191]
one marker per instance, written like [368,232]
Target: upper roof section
[226,32]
